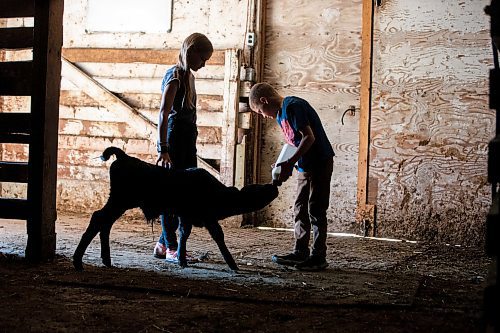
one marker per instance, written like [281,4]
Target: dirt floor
[370,285]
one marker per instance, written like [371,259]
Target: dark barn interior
[406,91]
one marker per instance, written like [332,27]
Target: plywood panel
[313,51]
[223,21]
[430,120]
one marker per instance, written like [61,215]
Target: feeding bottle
[286,152]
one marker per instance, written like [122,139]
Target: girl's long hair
[195,42]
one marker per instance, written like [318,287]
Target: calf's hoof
[183,263]
[78,265]
[107,262]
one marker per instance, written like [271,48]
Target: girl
[177,126]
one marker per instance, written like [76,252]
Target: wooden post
[48,38]
[230,118]
[364,211]
[260,33]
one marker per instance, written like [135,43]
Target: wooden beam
[230,118]
[363,210]
[209,87]
[17,209]
[14,138]
[16,38]
[15,122]
[14,172]
[239,167]
[114,104]
[17,8]
[16,78]
[42,187]
[149,56]
[260,31]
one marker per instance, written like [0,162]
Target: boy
[302,128]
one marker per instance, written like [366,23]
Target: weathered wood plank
[362,211]
[230,119]
[100,129]
[151,56]
[16,103]
[17,209]
[87,149]
[76,98]
[14,138]
[15,122]
[82,195]
[260,13]
[16,78]
[210,151]
[152,101]
[141,70]
[16,38]
[148,86]
[15,172]
[209,134]
[17,8]
[96,145]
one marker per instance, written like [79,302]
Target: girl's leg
[182,142]
[168,237]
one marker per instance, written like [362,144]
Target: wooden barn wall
[430,122]
[86,128]
[313,51]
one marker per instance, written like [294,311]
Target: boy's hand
[286,170]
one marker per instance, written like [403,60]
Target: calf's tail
[106,154]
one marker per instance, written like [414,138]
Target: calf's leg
[184,232]
[101,221]
[217,235]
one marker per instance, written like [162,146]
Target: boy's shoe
[159,251]
[291,259]
[171,256]
[313,263]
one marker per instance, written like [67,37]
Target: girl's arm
[167,101]
[305,143]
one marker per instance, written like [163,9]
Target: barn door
[313,50]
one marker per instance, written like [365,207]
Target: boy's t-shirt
[294,115]
[179,110]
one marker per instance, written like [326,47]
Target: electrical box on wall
[251,39]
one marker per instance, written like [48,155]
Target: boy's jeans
[311,204]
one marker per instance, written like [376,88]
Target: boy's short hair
[260,90]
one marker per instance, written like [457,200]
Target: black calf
[193,193]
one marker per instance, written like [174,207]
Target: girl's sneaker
[171,256]
[159,251]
